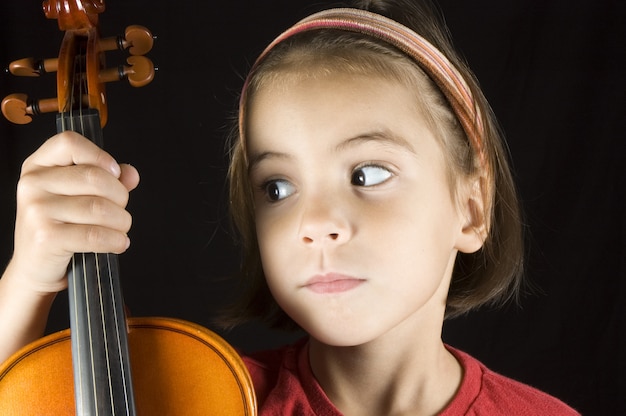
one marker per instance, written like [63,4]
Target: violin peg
[139,72]
[15,109]
[19,109]
[30,67]
[138,40]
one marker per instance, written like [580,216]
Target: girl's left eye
[370,175]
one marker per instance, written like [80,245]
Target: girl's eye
[276,190]
[370,175]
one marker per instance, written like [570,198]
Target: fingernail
[116,170]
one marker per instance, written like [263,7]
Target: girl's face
[356,224]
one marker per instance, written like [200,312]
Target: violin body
[178,368]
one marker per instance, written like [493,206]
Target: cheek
[278,260]
[271,236]
[415,226]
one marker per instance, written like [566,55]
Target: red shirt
[285,385]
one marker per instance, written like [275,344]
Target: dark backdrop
[554,73]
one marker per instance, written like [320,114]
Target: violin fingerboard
[99,337]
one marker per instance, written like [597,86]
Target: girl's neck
[393,375]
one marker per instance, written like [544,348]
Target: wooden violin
[106,363]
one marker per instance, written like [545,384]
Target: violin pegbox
[80,67]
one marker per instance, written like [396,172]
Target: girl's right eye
[278,189]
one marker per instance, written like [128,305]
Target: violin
[107,363]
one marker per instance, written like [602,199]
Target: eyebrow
[384,137]
[255,159]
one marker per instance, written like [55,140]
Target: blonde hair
[491,275]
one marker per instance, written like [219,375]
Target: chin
[337,337]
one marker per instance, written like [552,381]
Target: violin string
[99,276]
[104,331]
[118,336]
[78,373]
[81,70]
[68,110]
[90,331]
[81,129]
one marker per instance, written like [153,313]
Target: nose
[325,220]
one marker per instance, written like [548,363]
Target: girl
[370,185]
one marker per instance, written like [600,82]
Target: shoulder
[284,383]
[485,392]
[265,367]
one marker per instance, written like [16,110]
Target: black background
[554,71]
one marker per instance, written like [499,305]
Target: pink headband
[429,58]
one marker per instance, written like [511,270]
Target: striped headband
[429,58]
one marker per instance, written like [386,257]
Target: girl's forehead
[337,106]
[335,83]
[317,59]
[323,90]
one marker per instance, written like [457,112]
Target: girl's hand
[71,197]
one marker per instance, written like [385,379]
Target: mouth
[332,283]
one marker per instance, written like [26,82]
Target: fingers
[70,148]
[69,164]
[71,181]
[55,212]
[89,238]
[71,198]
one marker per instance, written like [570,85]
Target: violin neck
[100,357]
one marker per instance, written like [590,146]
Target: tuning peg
[30,67]
[138,40]
[139,72]
[19,109]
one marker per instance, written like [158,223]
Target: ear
[473,199]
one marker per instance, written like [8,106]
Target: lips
[332,283]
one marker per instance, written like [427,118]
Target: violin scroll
[80,66]
[74,14]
